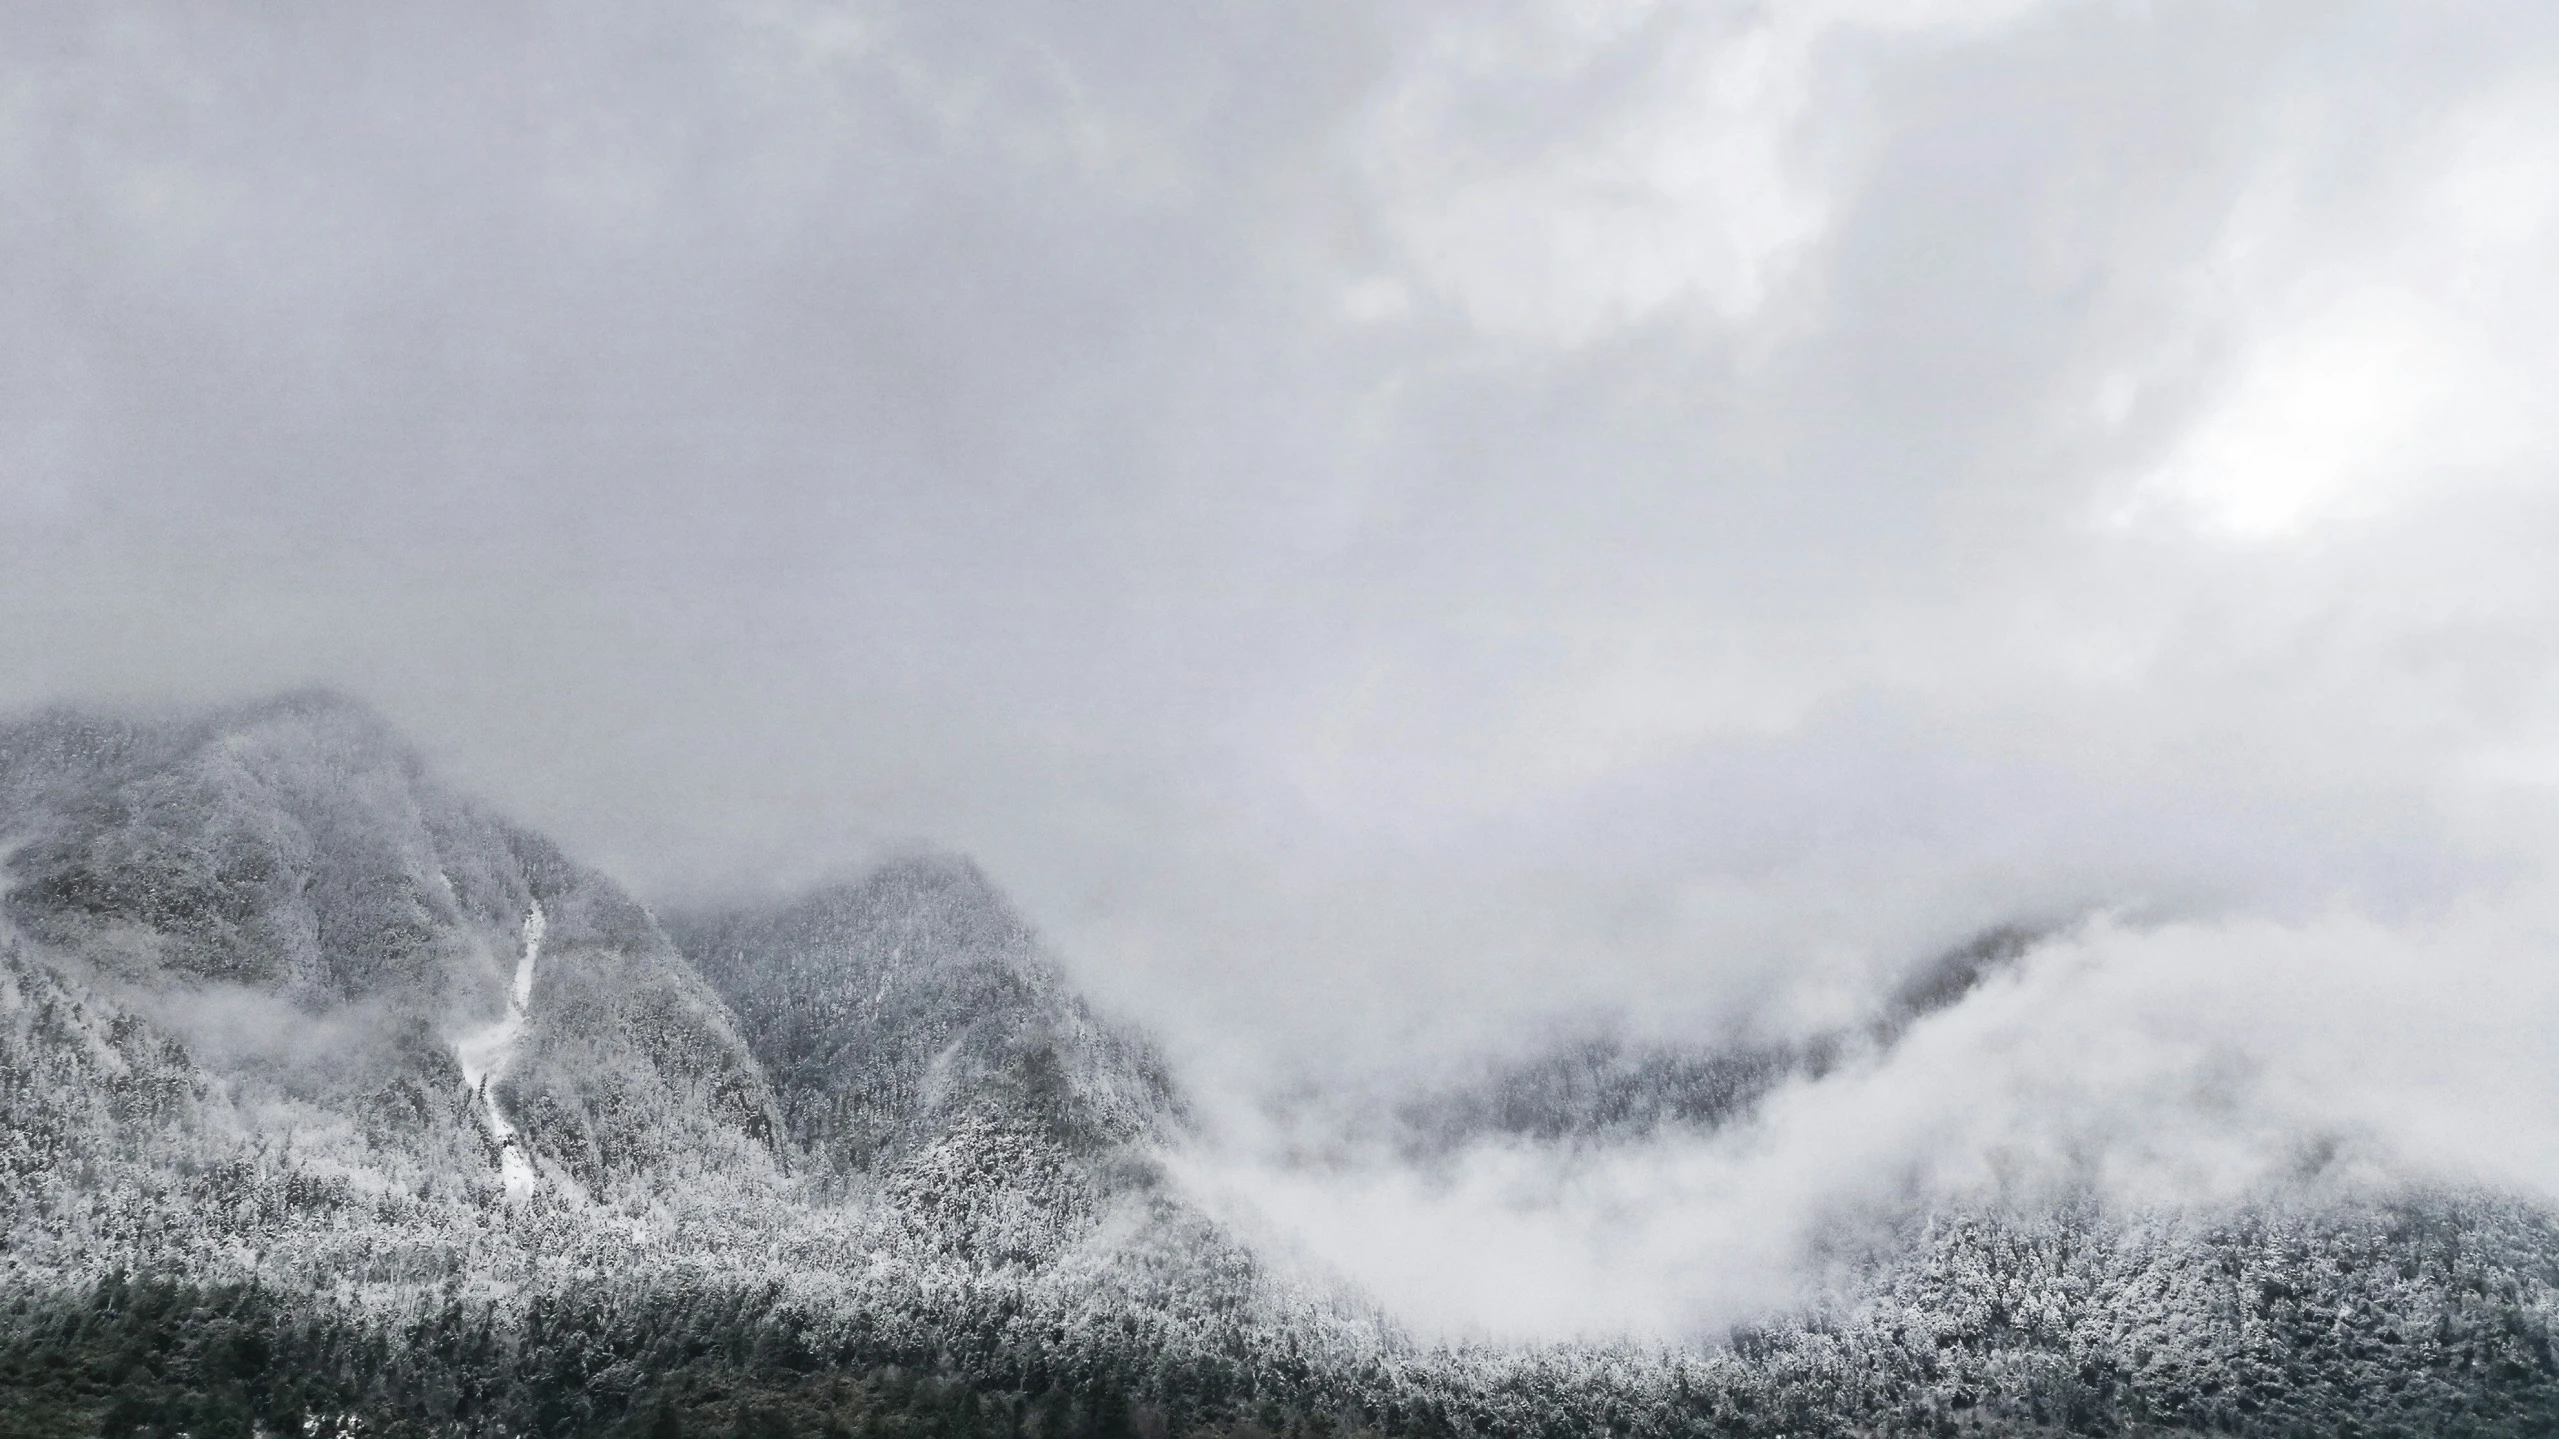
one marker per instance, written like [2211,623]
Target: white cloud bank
[2179,1068]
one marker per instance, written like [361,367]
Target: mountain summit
[283,889]
[888,1008]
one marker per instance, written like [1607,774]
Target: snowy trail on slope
[484,1054]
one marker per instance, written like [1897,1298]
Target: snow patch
[536,924]
[484,1054]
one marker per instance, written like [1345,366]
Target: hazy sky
[1354,513]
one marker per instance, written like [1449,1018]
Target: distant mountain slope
[887,1009]
[1601,1087]
[283,890]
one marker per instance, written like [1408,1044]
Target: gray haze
[1375,522]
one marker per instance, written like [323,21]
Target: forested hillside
[330,1104]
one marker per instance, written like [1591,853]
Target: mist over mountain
[887,1009]
[282,887]
[336,1104]
[1600,1087]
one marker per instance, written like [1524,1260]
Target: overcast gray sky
[1357,514]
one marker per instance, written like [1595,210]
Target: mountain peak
[296,841]
[292,858]
[324,719]
[887,1006]
[920,907]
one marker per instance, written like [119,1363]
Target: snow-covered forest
[868,1163]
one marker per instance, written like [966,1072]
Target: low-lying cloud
[2178,1069]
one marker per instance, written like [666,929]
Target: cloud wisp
[2186,1069]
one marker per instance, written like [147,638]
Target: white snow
[485,1052]
[536,924]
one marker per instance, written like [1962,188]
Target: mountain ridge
[872,1044]
[814,1160]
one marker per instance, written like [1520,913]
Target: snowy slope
[887,1008]
[283,890]
[275,1007]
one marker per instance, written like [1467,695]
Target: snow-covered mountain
[888,1009]
[922,1044]
[1599,1086]
[285,892]
[331,1103]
